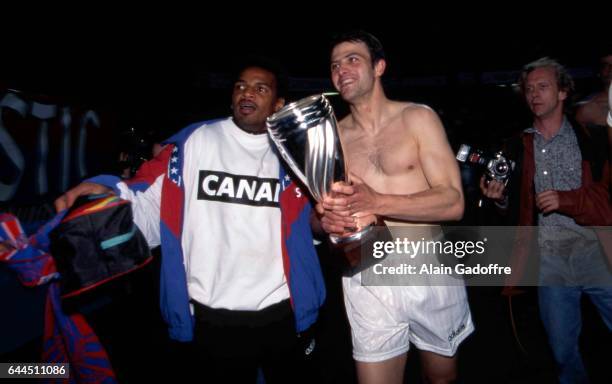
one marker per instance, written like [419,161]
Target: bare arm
[66,200]
[582,115]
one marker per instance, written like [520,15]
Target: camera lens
[501,168]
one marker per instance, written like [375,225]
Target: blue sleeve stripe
[174,297]
[306,279]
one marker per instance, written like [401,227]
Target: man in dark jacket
[563,187]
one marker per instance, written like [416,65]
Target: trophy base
[357,248]
[356,236]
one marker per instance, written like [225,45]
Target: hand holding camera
[497,167]
[492,189]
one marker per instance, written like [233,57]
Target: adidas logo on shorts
[310,347]
[456,332]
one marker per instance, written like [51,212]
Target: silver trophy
[306,135]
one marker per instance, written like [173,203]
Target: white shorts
[386,319]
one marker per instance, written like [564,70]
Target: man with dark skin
[252,285]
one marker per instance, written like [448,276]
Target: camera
[497,166]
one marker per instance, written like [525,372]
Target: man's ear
[280,102]
[379,67]
[562,95]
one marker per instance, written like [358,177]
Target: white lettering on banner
[89,117]
[10,147]
[40,161]
[44,112]
[65,149]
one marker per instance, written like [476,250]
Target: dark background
[162,72]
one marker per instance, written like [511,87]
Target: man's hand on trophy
[362,220]
[354,206]
[334,211]
[364,201]
[337,200]
[336,224]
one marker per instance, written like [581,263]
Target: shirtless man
[402,170]
[595,110]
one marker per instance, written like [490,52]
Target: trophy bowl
[305,133]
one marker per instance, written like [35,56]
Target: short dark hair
[270,65]
[374,46]
[564,80]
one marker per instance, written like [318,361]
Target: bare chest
[384,158]
[597,111]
